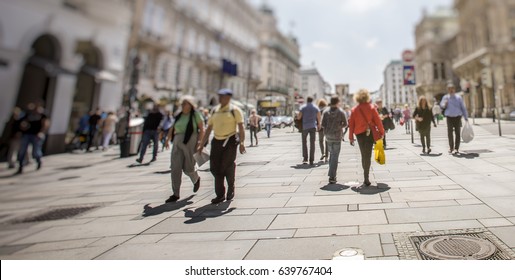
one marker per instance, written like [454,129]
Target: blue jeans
[147,136]
[37,145]
[334,154]
[268,128]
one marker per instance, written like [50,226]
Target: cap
[190,99]
[225,91]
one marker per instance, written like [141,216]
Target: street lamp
[487,61]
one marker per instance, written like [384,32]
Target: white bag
[467,134]
[201,158]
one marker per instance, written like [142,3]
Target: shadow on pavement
[334,188]
[163,172]
[306,166]
[167,207]
[138,165]
[467,156]
[380,188]
[431,155]
[207,211]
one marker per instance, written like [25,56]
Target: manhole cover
[253,163]
[55,214]
[457,248]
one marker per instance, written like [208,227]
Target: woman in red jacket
[363,118]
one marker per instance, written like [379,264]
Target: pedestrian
[227,124]
[151,133]
[406,114]
[166,125]
[397,115]
[311,123]
[386,119]
[364,117]
[186,132]
[454,109]
[333,123]
[254,123]
[206,116]
[13,137]
[322,105]
[33,126]
[423,116]
[108,129]
[268,123]
[93,121]
[437,111]
[347,111]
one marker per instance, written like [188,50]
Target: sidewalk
[282,210]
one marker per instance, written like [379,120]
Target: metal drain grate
[55,214]
[469,244]
[253,163]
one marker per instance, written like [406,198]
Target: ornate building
[433,58]
[66,55]
[485,60]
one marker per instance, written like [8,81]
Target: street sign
[408,56]
[409,75]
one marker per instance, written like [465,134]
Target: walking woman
[423,116]
[363,118]
[322,105]
[186,132]
[254,120]
[406,113]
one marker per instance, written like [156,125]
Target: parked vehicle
[512,116]
[284,121]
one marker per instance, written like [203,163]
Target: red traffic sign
[408,56]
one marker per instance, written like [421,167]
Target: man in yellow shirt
[224,121]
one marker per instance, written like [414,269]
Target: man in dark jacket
[333,123]
[150,132]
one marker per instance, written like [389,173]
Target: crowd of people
[189,130]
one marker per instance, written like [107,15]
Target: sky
[352,41]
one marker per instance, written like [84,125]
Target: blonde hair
[362,96]
[321,103]
[420,99]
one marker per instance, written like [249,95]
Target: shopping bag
[401,121]
[467,134]
[201,158]
[379,154]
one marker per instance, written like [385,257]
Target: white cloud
[372,43]
[361,6]
[322,45]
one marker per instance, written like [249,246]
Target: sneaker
[322,158]
[424,151]
[332,180]
[139,160]
[196,186]
[217,200]
[39,165]
[172,198]
[450,152]
[311,163]
[428,151]
[457,152]
[304,162]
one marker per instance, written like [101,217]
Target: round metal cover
[457,247]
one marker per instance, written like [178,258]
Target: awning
[100,75]
[51,67]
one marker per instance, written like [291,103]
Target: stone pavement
[282,209]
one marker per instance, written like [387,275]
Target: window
[443,71]
[435,71]
[513,33]
[164,71]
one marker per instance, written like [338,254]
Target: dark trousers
[311,132]
[253,134]
[222,164]
[425,137]
[149,135]
[366,143]
[454,125]
[91,137]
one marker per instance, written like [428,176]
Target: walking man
[224,121]
[33,127]
[150,132]
[454,110]
[310,116]
[268,123]
[333,123]
[93,121]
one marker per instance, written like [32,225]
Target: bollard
[411,128]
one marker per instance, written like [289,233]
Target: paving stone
[332,200]
[261,234]
[196,236]
[285,210]
[390,228]
[390,250]
[59,245]
[386,205]
[434,203]
[506,234]
[68,254]
[111,241]
[327,209]
[496,222]
[386,238]
[315,248]
[503,205]
[311,220]
[430,195]
[470,201]
[448,225]
[435,214]
[197,250]
[146,238]
[326,231]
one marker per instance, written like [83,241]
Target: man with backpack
[227,123]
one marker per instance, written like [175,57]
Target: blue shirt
[309,116]
[454,106]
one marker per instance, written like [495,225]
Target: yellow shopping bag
[379,154]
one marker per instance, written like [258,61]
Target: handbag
[371,128]
[379,155]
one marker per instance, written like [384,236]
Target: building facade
[485,55]
[394,93]
[312,83]
[433,60]
[196,48]
[280,65]
[343,91]
[67,55]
